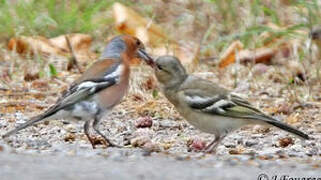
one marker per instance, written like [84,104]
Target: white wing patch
[218,105]
[198,99]
[117,73]
[87,84]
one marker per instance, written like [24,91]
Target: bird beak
[149,60]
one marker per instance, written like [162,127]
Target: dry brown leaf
[228,56]
[260,55]
[273,47]
[80,42]
[55,46]
[129,22]
[34,45]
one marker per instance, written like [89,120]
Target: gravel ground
[58,150]
[159,144]
[137,164]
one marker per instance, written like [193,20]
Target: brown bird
[207,106]
[98,90]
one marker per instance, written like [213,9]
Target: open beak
[149,60]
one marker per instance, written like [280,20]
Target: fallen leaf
[273,46]
[34,45]
[228,57]
[130,22]
[53,47]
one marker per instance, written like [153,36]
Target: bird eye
[138,43]
[159,67]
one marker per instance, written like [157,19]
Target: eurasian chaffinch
[98,90]
[207,106]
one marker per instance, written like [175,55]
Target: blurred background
[267,50]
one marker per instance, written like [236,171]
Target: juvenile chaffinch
[98,90]
[208,106]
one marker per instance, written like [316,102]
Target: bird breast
[112,96]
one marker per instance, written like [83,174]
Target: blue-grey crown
[114,48]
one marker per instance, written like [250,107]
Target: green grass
[53,17]
[242,20]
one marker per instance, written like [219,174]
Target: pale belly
[213,124]
[82,111]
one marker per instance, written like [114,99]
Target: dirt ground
[60,150]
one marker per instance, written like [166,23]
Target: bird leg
[86,129]
[95,126]
[211,148]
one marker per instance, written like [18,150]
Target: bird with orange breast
[98,90]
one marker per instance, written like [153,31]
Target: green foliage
[52,17]
[155,93]
[52,70]
[245,20]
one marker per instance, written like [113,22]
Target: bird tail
[289,129]
[25,125]
[281,125]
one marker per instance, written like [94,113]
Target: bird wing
[78,93]
[223,103]
[73,95]
[107,74]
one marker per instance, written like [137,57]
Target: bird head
[169,71]
[127,45]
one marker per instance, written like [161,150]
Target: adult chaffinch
[208,106]
[98,90]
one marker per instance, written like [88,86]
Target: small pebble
[284,142]
[144,122]
[196,144]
